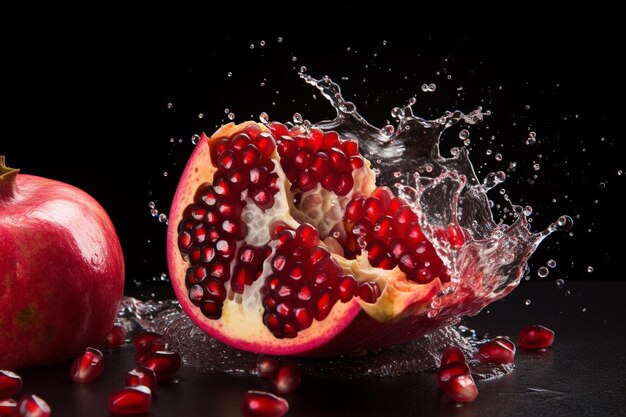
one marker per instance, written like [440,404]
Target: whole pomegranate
[61,270]
[280,242]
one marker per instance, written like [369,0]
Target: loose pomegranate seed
[8,407]
[495,351]
[263,404]
[164,363]
[267,366]
[143,341]
[286,379]
[32,406]
[10,384]
[115,337]
[461,388]
[445,372]
[535,337]
[141,376]
[131,400]
[452,354]
[157,344]
[88,366]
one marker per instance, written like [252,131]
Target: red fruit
[8,407]
[115,337]
[535,337]
[131,400]
[143,341]
[164,363]
[88,366]
[267,367]
[286,379]
[153,346]
[495,351]
[445,372]
[263,404]
[452,354]
[32,406]
[350,267]
[10,384]
[61,262]
[461,388]
[141,376]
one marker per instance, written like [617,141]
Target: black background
[88,93]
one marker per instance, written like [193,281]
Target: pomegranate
[115,338]
[461,388]
[452,354]
[87,366]
[263,404]
[163,363]
[10,384]
[131,400]
[447,371]
[8,407]
[286,379]
[62,270]
[267,367]
[280,242]
[32,406]
[535,337]
[496,351]
[141,376]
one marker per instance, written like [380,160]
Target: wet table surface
[584,374]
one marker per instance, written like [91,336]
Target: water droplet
[195,139]
[251,46]
[425,88]
[464,134]
[154,212]
[231,116]
[163,276]
[397,113]
[590,269]
[568,293]
[602,185]
[466,142]
[297,118]
[564,223]
[387,130]
[527,302]
[226,110]
[432,87]
[200,115]
[294,58]
[543,272]
[620,172]
[498,157]
[229,74]
[303,69]
[397,174]
[536,166]
[384,43]
[528,210]
[488,152]
[170,105]
[165,173]
[412,101]
[162,218]
[151,204]
[280,39]
[262,43]
[551,263]
[263,118]
[560,282]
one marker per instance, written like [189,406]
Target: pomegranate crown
[7,179]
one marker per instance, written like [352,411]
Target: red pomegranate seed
[344,184]
[303,158]
[461,388]
[321,165]
[452,354]
[445,372]
[88,366]
[143,341]
[331,139]
[131,400]
[496,352]
[267,366]
[286,379]
[8,407]
[115,337]
[350,147]
[141,376]
[535,337]
[263,404]
[373,209]
[32,406]
[369,292]
[347,287]
[239,142]
[354,209]
[163,362]
[265,143]
[308,235]
[356,162]
[384,194]
[10,384]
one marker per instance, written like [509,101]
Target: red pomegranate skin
[61,270]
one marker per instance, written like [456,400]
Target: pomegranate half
[280,242]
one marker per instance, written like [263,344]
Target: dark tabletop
[584,374]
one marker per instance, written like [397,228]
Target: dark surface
[582,375]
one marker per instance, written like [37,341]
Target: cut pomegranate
[286,379]
[263,404]
[8,407]
[32,406]
[143,341]
[279,242]
[267,367]
[131,400]
[115,337]
[461,388]
[535,337]
[496,351]
[164,363]
[447,371]
[88,366]
[452,354]
[10,384]
[141,376]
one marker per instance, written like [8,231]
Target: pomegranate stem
[8,178]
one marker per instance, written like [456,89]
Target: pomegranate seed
[286,379]
[88,366]
[141,376]
[32,406]
[251,155]
[303,158]
[331,139]
[287,147]
[164,363]
[452,354]
[212,309]
[373,209]
[267,366]
[10,384]
[347,287]
[461,388]
[265,143]
[239,142]
[157,344]
[131,400]
[369,292]
[252,130]
[308,235]
[263,404]
[344,184]
[414,234]
[356,162]
[535,337]
[226,160]
[455,236]
[506,342]
[317,138]
[445,372]
[496,352]
[143,341]
[353,209]
[383,228]
[350,147]
[303,318]
[321,165]
[384,194]
[329,182]
[263,198]
[8,407]
[278,129]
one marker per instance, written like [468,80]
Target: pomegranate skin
[61,270]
